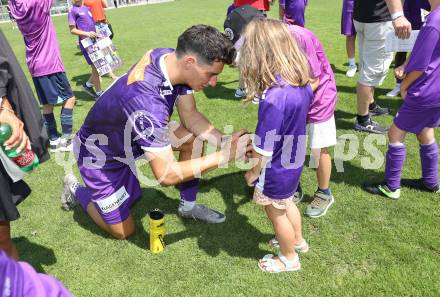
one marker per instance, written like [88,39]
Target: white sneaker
[394,92]
[54,145]
[352,69]
[71,184]
[66,144]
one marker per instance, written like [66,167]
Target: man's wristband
[397,15]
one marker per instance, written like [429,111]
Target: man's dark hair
[208,43]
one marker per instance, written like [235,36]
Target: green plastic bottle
[26,159]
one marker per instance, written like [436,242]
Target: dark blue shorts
[53,88]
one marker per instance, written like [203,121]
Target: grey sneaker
[240,93]
[378,111]
[320,204]
[298,196]
[71,184]
[202,213]
[371,127]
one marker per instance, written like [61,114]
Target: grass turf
[364,246]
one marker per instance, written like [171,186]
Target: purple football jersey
[19,279]
[412,11]
[281,136]
[425,57]
[81,18]
[294,12]
[132,115]
[42,49]
[324,103]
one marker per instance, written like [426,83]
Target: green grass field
[364,246]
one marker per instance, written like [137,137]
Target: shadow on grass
[221,92]
[237,236]
[34,254]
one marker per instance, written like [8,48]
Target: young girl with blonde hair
[275,69]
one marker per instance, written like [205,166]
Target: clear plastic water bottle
[26,159]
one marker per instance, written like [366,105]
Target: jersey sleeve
[71,18]
[423,49]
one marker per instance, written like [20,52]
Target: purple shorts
[113,190]
[85,54]
[410,120]
[347,25]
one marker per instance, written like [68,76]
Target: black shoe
[89,90]
[418,184]
[378,111]
[370,127]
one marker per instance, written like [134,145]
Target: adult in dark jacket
[19,109]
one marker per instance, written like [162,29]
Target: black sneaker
[418,184]
[370,127]
[89,90]
[378,111]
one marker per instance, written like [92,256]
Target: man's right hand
[239,145]
[402,27]
[18,138]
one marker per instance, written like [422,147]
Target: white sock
[186,205]
[352,62]
[397,85]
[89,84]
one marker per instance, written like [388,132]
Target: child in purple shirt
[81,23]
[419,114]
[280,140]
[292,11]
[321,125]
[46,67]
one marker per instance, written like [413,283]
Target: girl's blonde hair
[269,50]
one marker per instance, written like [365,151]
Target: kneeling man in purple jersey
[132,120]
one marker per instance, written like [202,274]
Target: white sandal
[302,247]
[268,264]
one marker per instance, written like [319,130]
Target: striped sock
[66,120]
[51,125]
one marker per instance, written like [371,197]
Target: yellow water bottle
[157,231]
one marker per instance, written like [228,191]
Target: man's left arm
[196,122]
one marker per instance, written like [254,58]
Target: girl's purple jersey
[424,93]
[281,136]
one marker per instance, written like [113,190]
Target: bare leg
[69,103]
[294,218]
[95,79]
[324,170]
[284,232]
[350,45]
[6,243]
[119,231]
[365,96]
